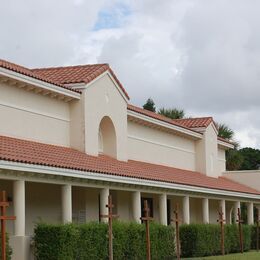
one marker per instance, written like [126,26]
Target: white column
[66,203]
[205,210]
[104,193]
[163,209]
[136,198]
[186,209]
[236,206]
[222,205]
[250,213]
[19,207]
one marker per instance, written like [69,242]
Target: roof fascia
[164,124]
[225,144]
[119,179]
[39,83]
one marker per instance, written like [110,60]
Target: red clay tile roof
[22,151]
[27,72]
[156,116]
[195,122]
[77,74]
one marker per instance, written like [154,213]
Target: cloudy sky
[202,56]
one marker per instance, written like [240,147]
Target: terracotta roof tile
[195,122]
[77,74]
[27,72]
[22,151]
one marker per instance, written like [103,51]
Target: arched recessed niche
[107,137]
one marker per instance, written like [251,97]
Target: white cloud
[203,56]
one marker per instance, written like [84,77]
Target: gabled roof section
[22,151]
[27,72]
[78,74]
[195,122]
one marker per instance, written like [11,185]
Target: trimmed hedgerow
[254,237]
[8,248]
[204,240]
[90,241]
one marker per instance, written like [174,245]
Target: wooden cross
[110,217]
[221,221]
[240,221]
[177,221]
[3,205]
[147,220]
[257,229]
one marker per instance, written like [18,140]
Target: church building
[69,137]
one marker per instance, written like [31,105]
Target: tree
[225,132]
[149,105]
[172,113]
[251,159]
[234,160]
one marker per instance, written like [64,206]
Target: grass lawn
[248,255]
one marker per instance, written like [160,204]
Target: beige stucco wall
[207,153]
[155,146]
[248,178]
[221,160]
[25,114]
[77,124]
[102,98]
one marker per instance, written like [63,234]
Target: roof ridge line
[70,66]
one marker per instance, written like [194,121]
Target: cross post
[257,229]
[3,205]
[147,220]
[110,217]
[221,221]
[240,221]
[177,221]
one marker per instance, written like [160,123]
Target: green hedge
[253,237]
[204,240]
[90,241]
[8,248]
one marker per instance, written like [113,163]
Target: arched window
[107,137]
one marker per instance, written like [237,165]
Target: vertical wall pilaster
[163,208]
[205,210]
[250,213]
[19,207]
[186,209]
[66,203]
[136,199]
[104,193]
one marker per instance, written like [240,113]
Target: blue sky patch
[112,17]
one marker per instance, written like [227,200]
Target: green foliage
[254,237]
[251,158]
[234,160]
[172,113]
[90,241]
[203,240]
[149,105]
[225,132]
[8,248]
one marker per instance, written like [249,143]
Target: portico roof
[35,153]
